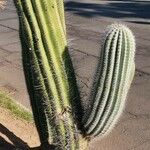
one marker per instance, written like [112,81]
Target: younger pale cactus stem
[115,74]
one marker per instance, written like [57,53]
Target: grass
[15,108]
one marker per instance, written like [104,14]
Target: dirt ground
[16,133]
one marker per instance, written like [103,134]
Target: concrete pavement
[11,72]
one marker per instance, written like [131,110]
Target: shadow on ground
[16,141]
[114,9]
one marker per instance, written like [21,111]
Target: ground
[86,22]
[16,133]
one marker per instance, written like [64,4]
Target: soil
[16,133]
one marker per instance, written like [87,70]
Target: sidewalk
[11,72]
[86,21]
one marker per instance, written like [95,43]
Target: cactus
[48,70]
[114,75]
[51,81]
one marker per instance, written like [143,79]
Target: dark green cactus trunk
[114,75]
[48,70]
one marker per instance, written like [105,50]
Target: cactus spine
[51,82]
[115,73]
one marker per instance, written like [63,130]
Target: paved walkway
[86,21]
[11,72]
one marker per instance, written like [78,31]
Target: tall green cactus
[51,81]
[114,75]
[48,70]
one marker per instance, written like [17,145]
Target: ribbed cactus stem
[48,71]
[115,73]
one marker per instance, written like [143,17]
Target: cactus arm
[103,72]
[113,87]
[107,83]
[112,90]
[126,79]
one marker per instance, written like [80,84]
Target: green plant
[16,109]
[114,76]
[51,81]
